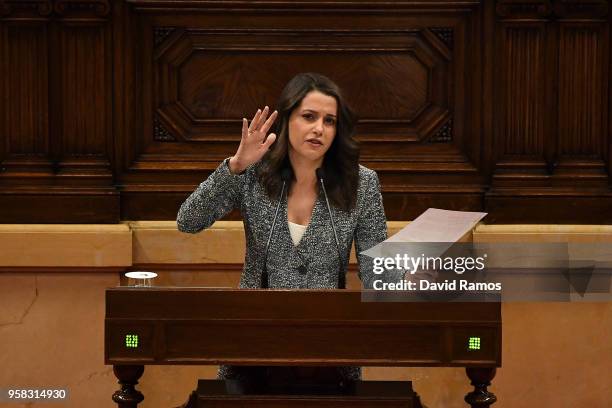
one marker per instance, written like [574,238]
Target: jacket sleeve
[216,196]
[372,230]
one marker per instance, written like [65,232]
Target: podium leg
[128,396]
[481,379]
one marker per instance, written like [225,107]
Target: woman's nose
[319,126]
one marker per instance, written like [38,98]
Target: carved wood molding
[99,8]
[444,134]
[160,133]
[161,33]
[581,8]
[62,8]
[28,7]
[524,8]
[446,35]
[547,8]
[335,6]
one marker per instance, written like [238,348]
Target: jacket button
[302,270]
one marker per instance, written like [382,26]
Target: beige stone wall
[52,281]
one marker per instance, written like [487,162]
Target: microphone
[285,177]
[341,276]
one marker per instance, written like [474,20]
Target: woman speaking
[302,194]
[273,180]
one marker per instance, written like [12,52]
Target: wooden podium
[154,326]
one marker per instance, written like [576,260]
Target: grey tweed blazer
[314,262]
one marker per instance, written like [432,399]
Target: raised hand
[254,143]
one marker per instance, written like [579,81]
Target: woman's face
[312,127]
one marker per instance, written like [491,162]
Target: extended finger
[269,140]
[245,128]
[261,118]
[269,122]
[253,124]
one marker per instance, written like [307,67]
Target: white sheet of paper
[436,225]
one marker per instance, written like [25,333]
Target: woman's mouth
[314,142]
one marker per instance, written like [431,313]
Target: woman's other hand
[254,143]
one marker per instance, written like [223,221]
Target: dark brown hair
[341,161]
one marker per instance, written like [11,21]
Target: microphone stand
[285,176]
[341,276]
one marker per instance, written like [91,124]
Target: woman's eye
[308,116]
[330,121]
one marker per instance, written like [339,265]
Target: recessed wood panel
[522,104]
[207,80]
[226,87]
[582,104]
[26,116]
[84,86]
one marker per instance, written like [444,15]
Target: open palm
[255,141]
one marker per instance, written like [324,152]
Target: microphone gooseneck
[341,276]
[285,177]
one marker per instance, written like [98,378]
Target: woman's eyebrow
[315,111]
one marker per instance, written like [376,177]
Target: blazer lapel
[303,246]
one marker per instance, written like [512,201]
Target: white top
[296,231]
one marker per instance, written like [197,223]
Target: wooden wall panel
[584,55]
[118,109]
[26,116]
[580,96]
[85,89]
[551,158]
[25,120]
[403,67]
[206,80]
[82,83]
[520,137]
[522,124]
[57,127]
